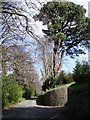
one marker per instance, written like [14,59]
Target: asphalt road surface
[29,109]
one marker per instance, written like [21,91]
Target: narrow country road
[29,109]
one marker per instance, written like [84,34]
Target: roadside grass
[77,87]
[57,87]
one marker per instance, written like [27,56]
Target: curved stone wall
[78,104]
[57,97]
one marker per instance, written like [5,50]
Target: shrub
[60,79]
[29,92]
[68,78]
[41,100]
[64,78]
[81,72]
[11,91]
[49,83]
[45,85]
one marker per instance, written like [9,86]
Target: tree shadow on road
[33,112]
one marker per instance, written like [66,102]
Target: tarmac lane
[29,109]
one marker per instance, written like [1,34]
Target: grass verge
[57,87]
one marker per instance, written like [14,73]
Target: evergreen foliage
[81,72]
[62,79]
[67,26]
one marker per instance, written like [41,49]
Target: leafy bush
[60,79]
[41,100]
[68,78]
[11,91]
[64,78]
[81,72]
[49,83]
[28,93]
[45,85]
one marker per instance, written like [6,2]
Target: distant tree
[81,72]
[67,27]
[45,57]
[16,24]
[3,59]
[18,62]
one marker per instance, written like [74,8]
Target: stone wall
[57,97]
[78,104]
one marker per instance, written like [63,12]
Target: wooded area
[31,60]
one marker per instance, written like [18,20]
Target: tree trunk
[61,60]
[53,64]
[3,60]
[56,65]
